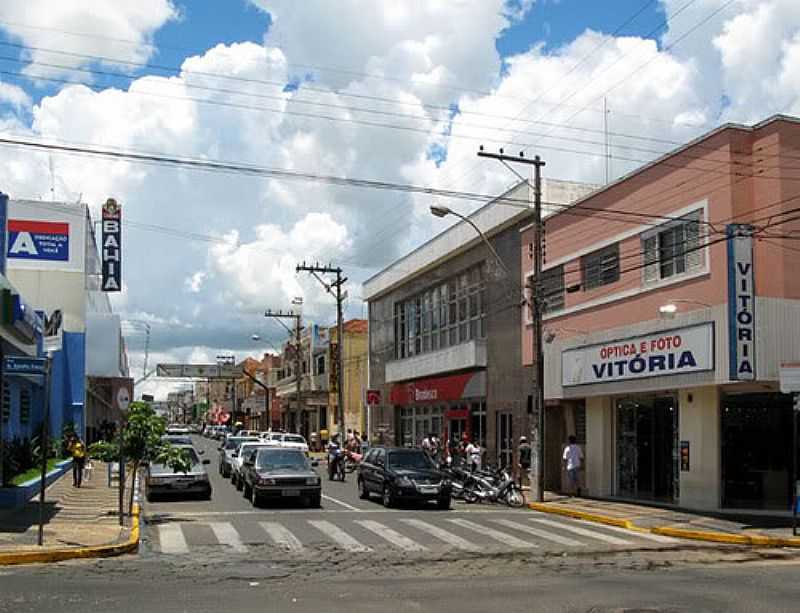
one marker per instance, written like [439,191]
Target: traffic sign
[199,371]
[373,397]
[21,365]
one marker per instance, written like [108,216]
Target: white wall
[599,447]
[104,346]
[700,425]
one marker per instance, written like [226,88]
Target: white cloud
[195,282]
[119,30]
[15,96]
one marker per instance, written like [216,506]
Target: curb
[600,519]
[755,540]
[32,556]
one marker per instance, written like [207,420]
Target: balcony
[460,357]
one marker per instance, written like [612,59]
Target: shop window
[24,406]
[552,289]
[675,249]
[600,267]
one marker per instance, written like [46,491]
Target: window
[600,267]
[673,249]
[321,365]
[553,289]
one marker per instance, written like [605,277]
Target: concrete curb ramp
[756,540]
[34,556]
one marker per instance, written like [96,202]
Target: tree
[142,443]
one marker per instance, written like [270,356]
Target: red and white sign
[440,389]
[373,397]
[671,352]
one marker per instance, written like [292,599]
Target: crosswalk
[486,533]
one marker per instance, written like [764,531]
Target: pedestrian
[364,444]
[473,452]
[434,447]
[77,449]
[524,461]
[426,445]
[573,458]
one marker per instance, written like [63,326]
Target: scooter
[480,488]
[336,461]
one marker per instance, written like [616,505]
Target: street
[354,555]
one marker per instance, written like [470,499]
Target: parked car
[255,433]
[283,439]
[229,450]
[400,474]
[178,430]
[238,460]
[161,479]
[279,473]
[178,439]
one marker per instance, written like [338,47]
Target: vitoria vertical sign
[741,303]
[112,246]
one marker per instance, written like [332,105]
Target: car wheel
[363,492]
[388,499]
[239,484]
[315,501]
[254,498]
[246,490]
[150,497]
[443,504]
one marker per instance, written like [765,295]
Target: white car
[281,439]
[238,459]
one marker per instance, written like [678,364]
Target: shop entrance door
[457,427]
[505,440]
[647,448]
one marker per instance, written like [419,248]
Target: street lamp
[668,310]
[443,211]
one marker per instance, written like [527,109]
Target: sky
[397,92]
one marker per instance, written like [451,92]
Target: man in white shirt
[573,458]
[474,456]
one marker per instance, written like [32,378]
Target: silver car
[161,479]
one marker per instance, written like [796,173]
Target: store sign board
[439,389]
[112,246]
[45,236]
[669,352]
[741,304]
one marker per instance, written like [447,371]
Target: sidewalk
[711,526]
[76,518]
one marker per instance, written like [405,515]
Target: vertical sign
[741,303]
[112,246]
[3,218]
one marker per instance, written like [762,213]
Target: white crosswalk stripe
[443,535]
[226,535]
[648,536]
[170,537]
[612,540]
[280,535]
[548,536]
[394,537]
[497,535]
[339,536]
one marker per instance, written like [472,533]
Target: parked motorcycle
[497,487]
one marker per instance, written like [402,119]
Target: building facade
[671,299]
[353,376]
[444,325]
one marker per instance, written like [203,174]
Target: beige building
[353,377]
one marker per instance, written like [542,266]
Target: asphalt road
[354,555]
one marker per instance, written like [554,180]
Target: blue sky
[206,23]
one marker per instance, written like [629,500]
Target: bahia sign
[112,246]
[671,352]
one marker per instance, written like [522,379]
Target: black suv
[399,474]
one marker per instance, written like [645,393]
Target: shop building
[353,376]
[671,299]
[444,323]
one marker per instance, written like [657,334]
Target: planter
[16,497]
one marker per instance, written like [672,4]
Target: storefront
[451,407]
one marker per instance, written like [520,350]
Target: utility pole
[335,290]
[280,316]
[536,304]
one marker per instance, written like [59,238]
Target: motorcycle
[497,487]
[336,461]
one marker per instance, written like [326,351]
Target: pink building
[672,298]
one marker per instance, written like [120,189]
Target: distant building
[353,376]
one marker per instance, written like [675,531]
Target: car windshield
[293,438]
[409,460]
[193,458]
[234,442]
[281,459]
